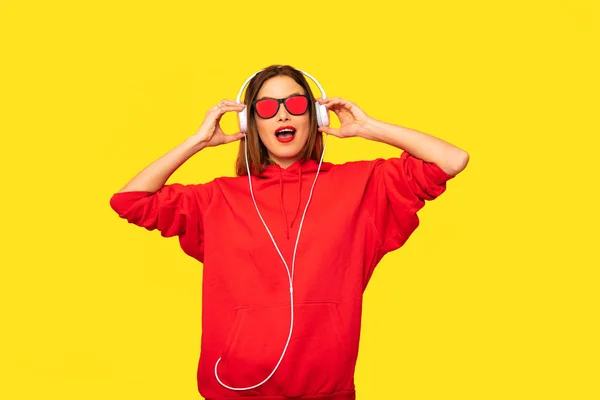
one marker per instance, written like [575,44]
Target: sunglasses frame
[281,101]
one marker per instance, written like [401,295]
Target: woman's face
[284,149]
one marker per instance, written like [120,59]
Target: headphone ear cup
[243,121]
[322,114]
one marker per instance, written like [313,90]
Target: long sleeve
[174,210]
[397,189]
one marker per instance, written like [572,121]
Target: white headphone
[321,110]
[322,120]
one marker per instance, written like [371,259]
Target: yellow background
[495,296]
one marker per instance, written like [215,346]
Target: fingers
[329,131]
[225,102]
[227,105]
[332,102]
[331,99]
[234,137]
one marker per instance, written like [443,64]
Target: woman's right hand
[210,132]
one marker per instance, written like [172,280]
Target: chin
[287,156]
[288,152]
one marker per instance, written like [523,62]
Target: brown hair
[258,155]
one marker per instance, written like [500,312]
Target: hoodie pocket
[233,332]
[317,357]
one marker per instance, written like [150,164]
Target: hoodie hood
[305,166]
[290,180]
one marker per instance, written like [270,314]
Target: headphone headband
[323,95]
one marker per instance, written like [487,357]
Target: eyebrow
[267,97]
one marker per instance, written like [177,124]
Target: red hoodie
[359,211]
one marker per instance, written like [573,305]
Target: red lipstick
[285,134]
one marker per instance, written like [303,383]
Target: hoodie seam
[374,226]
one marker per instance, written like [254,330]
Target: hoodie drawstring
[299,194]
[287,231]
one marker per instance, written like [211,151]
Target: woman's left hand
[353,119]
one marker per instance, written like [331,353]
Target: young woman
[289,245]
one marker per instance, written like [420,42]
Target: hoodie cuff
[433,172]
[121,201]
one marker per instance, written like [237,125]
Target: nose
[282,113]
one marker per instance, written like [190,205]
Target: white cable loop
[290,275]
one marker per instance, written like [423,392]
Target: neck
[285,162]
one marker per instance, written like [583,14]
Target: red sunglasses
[296,104]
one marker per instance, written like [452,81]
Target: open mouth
[285,134]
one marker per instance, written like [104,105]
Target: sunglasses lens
[266,108]
[296,105]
